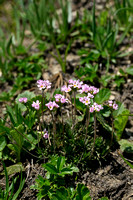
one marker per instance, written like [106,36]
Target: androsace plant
[89,108]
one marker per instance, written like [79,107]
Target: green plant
[56,171]
[64,20]
[123,11]
[47,21]
[87,73]
[103,33]
[94,112]
[8,193]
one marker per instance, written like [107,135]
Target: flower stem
[54,130]
[72,113]
[87,121]
[42,106]
[62,124]
[94,134]
[87,124]
[112,133]
[74,106]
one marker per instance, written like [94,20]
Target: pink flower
[36,105]
[85,100]
[75,84]
[91,89]
[51,105]
[90,95]
[112,105]
[46,135]
[85,88]
[65,88]
[115,106]
[43,84]
[91,109]
[23,100]
[95,107]
[60,98]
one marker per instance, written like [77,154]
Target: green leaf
[129,70]
[60,163]
[102,121]
[2,142]
[74,169]
[120,123]
[104,198]
[126,146]
[21,185]
[102,96]
[51,168]
[16,136]
[11,114]
[8,45]
[61,194]
[69,170]
[83,192]
[7,181]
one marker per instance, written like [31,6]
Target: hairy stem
[87,121]
[94,134]
[62,124]
[54,130]
[42,106]
[72,113]
[74,106]
[87,124]
[112,133]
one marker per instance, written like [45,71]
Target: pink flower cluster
[46,135]
[51,105]
[36,105]
[95,107]
[75,83]
[65,88]
[91,89]
[113,105]
[85,100]
[60,98]
[23,100]
[43,84]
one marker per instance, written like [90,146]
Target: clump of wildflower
[60,98]
[23,100]
[112,105]
[43,84]
[85,100]
[65,88]
[95,107]
[46,135]
[51,105]
[75,84]
[36,105]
